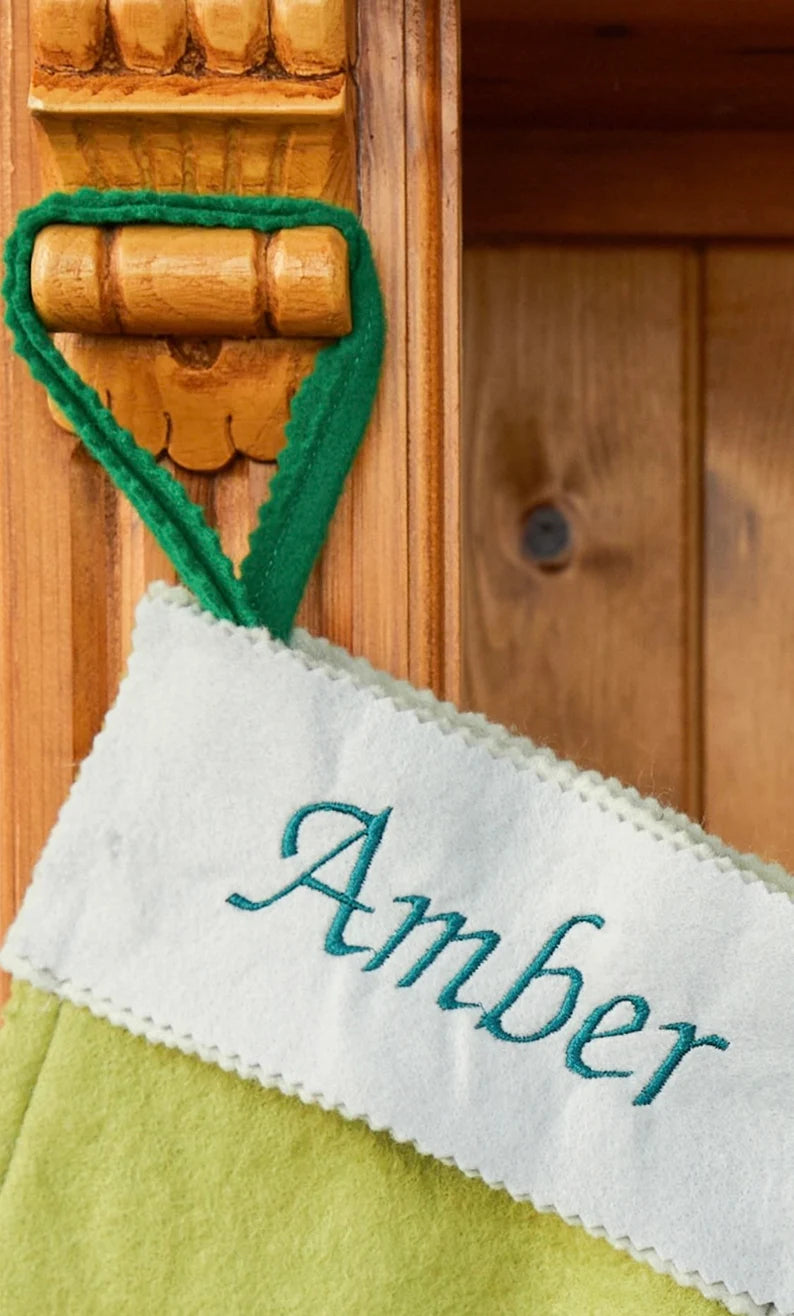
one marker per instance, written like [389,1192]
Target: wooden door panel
[579,366]
[647,393]
[749,547]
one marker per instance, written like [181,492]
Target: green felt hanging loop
[328,418]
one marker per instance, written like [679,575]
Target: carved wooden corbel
[185,333]
[151,317]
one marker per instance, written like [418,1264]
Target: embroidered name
[627,1013]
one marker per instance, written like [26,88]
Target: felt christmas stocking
[330,998]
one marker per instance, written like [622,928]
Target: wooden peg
[233,33]
[68,34]
[192,282]
[150,34]
[309,35]
[307,283]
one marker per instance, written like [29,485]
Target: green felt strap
[328,419]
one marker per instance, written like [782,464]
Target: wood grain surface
[621,183]
[749,562]
[577,370]
[201,401]
[36,652]
[134,301]
[232,35]
[641,67]
[196,97]
[628,415]
[639,397]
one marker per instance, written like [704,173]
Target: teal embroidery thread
[373,827]
[686,1041]
[448,999]
[370,836]
[492,1019]
[587,1033]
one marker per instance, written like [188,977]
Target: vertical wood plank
[405,487]
[433,333]
[379,563]
[578,365]
[749,566]
[693,350]
[36,747]
[93,538]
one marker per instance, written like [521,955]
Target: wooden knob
[162,280]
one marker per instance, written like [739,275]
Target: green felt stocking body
[137,1180]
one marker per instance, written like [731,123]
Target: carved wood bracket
[197,341]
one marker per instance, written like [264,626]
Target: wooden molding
[522,184]
[119,93]
[145,100]
[269,38]
[405,600]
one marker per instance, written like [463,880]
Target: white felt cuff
[299,869]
